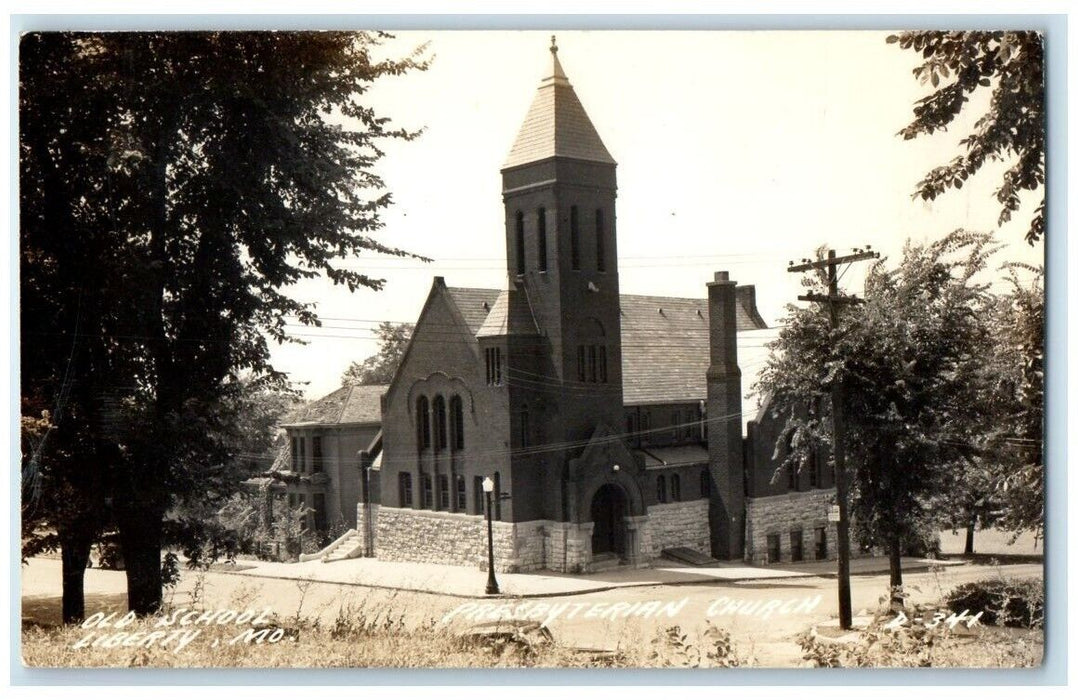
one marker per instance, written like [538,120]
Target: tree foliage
[1011,66]
[911,361]
[379,368]
[172,186]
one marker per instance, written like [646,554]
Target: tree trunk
[74,555]
[140,538]
[895,556]
[969,532]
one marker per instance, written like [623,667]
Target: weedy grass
[362,637]
[925,638]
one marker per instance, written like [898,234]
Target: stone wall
[680,524]
[407,534]
[568,547]
[779,515]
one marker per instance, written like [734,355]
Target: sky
[736,151]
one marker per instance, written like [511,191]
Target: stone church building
[611,424]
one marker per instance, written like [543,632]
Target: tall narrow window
[813,470]
[520,242]
[675,487]
[316,454]
[796,549]
[525,428]
[581,363]
[497,496]
[542,239]
[462,495]
[705,483]
[440,429]
[630,426]
[820,539]
[602,364]
[443,492]
[303,454]
[456,419]
[477,491]
[592,363]
[405,489]
[319,504]
[422,422]
[295,454]
[574,237]
[660,489]
[428,491]
[494,366]
[600,243]
[774,548]
[675,425]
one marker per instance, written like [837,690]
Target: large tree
[379,368]
[1009,66]
[173,185]
[909,360]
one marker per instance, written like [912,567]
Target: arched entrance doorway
[608,507]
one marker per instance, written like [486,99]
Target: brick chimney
[727,508]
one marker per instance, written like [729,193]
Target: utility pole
[833,299]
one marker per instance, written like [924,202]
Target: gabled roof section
[557,125]
[474,304]
[511,314]
[347,405]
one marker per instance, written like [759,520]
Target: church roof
[349,404]
[665,342]
[557,125]
[474,304]
[510,313]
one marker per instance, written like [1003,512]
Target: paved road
[780,608]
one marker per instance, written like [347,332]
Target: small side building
[321,469]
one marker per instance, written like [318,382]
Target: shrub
[1007,602]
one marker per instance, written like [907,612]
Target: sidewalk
[467,582]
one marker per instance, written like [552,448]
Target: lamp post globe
[492,582]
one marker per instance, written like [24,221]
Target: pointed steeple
[556,124]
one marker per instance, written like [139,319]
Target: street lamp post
[492,582]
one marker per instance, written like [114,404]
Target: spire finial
[553,44]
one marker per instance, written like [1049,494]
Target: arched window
[600,242]
[675,487]
[660,489]
[456,420]
[574,237]
[422,422]
[520,242]
[705,483]
[440,429]
[542,239]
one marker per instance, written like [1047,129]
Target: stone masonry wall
[406,534]
[779,515]
[681,524]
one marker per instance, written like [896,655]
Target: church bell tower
[559,187]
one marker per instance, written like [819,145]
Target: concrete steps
[348,547]
[688,556]
[603,562]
